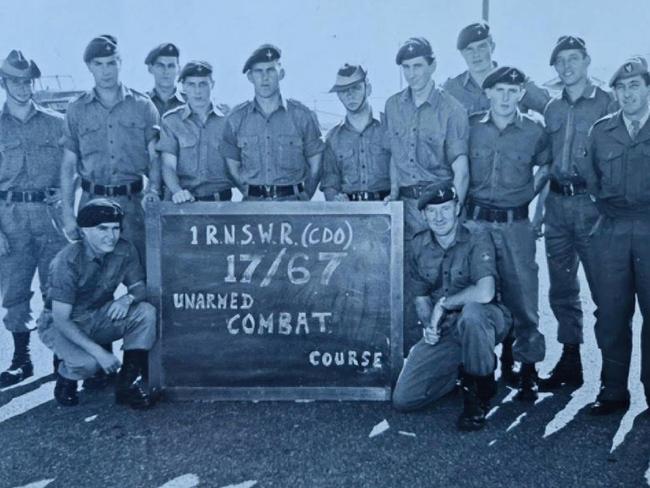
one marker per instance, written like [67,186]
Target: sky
[316,37]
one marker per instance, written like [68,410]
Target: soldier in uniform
[455,278]
[192,167]
[80,312]
[30,159]
[619,150]
[110,143]
[570,211]
[356,162]
[503,148]
[476,45]
[162,63]
[427,133]
[272,146]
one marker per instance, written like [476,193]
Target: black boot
[475,408]
[527,383]
[508,374]
[65,391]
[131,387]
[21,365]
[567,371]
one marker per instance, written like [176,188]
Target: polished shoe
[527,389]
[16,373]
[137,395]
[65,391]
[567,371]
[607,407]
[475,408]
[98,381]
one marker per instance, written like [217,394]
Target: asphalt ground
[324,444]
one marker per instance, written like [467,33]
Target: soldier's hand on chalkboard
[4,245]
[119,308]
[107,361]
[182,196]
[341,197]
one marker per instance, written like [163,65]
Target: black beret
[16,65]
[348,75]
[437,193]
[99,211]
[195,68]
[100,47]
[504,74]
[412,48]
[263,54]
[567,42]
[472,33]
[165,49]
[636,65]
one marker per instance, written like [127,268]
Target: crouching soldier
[80,312]
[455,275]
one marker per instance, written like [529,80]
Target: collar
[349,126]
[33,110]
[462,235]
[213,110]
[153,93]
[518,121]
[256,106]
[122,93]
[587,93]
[432,99]
[628,122]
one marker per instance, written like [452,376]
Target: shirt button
[110,126]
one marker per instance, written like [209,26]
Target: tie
[636,125]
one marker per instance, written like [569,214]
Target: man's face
[441,218]
[572,66]
[354,97]
[20,90]
[632,94]
[266,77]
[504,98]
[105,71]
[102,238]
[197,90]
[418,72]
[164,70]
[478,55]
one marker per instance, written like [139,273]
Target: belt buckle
[27,196]
[364,196]
[269,191]
[571,188]
[108,191]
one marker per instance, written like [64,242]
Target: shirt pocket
[249,147]
[291,157]
[47,156]
[12,156]
[188,161]
[480,169]
[132,132]
[612,168]
[91,139]
[348,163]
[515,169]
[638,174]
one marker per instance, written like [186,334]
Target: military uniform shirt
[356,161]
[164,106]
[621,166]
[501,162]
[473,98]
[438,272]
[35,140]
[273,149]
[425,140]
[200,167]
[87,282]
[568,124]
[111,144]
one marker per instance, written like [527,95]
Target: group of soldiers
[461,159]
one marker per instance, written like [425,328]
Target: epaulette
[173,111]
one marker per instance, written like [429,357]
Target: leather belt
[111,190]
[217,196]
[35,196]
[475,212]
[367,196]
[274,191]
[568,189]
[413,191]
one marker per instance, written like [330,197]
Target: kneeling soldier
[356,161]
[192,167]
[80,312]
[454,274]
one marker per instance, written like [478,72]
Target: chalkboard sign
[277,300]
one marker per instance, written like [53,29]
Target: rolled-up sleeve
[312,137]
[483,257]
[331,171]
[152,121]
[63,283]
[168,142]
[457,135]
[228,147]
[70,139]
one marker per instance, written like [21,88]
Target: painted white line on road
[26,402]
[37,484]
[516,422]
[245,484]
[380,428]
[185,481]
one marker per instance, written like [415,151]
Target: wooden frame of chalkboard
[193,238]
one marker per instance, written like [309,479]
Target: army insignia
[628,67]
[410,48]
[441,193]
[572,41]
[108,47]
[269,54]
[513,75]
[485,256]
[479,31]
